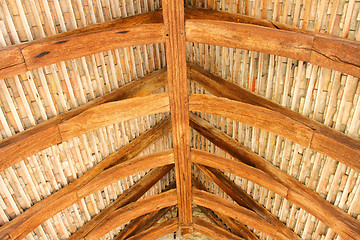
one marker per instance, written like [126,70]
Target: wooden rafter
[308,132]
[243,199]
[118,165]
[224,221]
[46,134]
[340,222]
[157,231]
[137,30]
[173,14]
[131,195]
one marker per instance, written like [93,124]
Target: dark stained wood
[133,210]
[243,199]
[212,230]
[256,116]
[113,112]
[157,231]
[132,31]
[340,222]
[46,134]
[131,195]
[137,225]
[224,221]
[324,140]
[173,14]
[241,214]
[91,181]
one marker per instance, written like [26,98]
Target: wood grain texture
[241,214]
[324,139]
[243,199]
[132,31]
[213,231]
[133,210]
[340,222]
[157,231]
[113,112]
[46,134]
[43,210]
[224,221]
[130,195]
[253,115]
[173,14]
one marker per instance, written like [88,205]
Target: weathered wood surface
[133,210]
[321,50]
[213,231]
[157,231]
[340,222]
[43,210]
[130,195]
[256,116]
[139,224]
[241,214]
[132,31]
[46,134]
[323,139]
[224,221]
[173,14]
[243,199]
[113,112]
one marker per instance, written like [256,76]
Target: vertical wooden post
[173,14]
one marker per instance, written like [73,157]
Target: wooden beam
[340,222]
[173,14]
[213,231]
[157,231]
[115,166]
[241,214]
[132,31]
[133,210]
[130,195]
[256,116]
[46,134]
[139,224]
[224,221]
[331,52]
[323,139]
[243,199]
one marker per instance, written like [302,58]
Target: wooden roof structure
[235,119]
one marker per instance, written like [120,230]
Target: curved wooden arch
[90,182]
[157,231]
[320,138]
[46,134]
[342,223]
[232,210]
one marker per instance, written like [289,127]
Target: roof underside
[133,118]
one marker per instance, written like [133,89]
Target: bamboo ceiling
[240,123]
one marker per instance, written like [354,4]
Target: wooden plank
[340,222]
[224,221]
[113,112]
[243,199]
[324,140]
[133,210]
[157,231]
[249,37]
[48,207]
[213,231]
[132,31]
[253,115]
[241,214]
[173,14]
[46,134]
[11,62]
[130,195]
[137,225]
